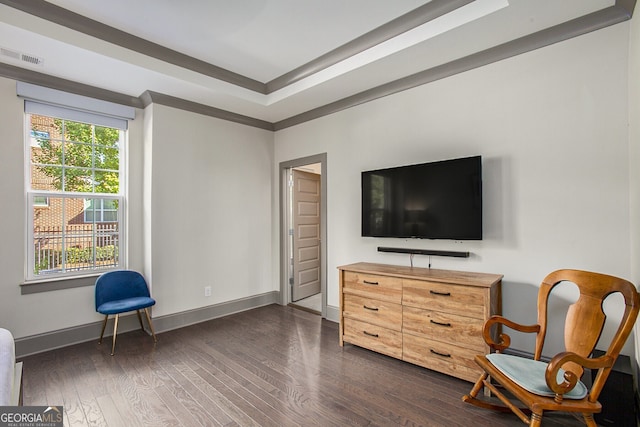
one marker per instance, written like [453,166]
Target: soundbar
[456,254]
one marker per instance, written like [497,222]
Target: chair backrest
[585,318]
[120,284]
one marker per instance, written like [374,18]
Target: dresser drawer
[439,356]
[469,300]
[462,330]
[373,337]
[428,317]
[373,286]
[377,312]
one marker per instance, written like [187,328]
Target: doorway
[303,233]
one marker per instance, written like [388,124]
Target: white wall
[199,214]
[210,210]
[551,126]
[26,315]
[634,155]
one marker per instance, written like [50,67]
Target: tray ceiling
[273,60]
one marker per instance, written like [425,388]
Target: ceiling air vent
[19,56]
[31,59]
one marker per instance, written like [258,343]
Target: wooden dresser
[432,318]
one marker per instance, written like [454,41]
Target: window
[75,196]
[100,210]
[40,201]
[74,184]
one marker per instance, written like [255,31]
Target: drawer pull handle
[440,323]
[439,354]
[371,308]
[370,334]
[444,294]
[367,282]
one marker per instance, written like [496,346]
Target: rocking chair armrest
[571,379]
[504,341]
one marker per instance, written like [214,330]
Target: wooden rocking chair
[556,386]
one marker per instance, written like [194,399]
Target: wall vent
[19,56]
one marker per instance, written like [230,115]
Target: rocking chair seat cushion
[529,374]
[124,305]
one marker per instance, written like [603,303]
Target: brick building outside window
[73,195]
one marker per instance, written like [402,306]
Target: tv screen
[438,200]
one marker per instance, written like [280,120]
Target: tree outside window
[76,168]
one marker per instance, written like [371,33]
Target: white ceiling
[260,39]
[263,40]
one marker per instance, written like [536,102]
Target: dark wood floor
[272,366]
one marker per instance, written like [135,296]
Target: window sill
[59,283]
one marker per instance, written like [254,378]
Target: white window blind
[56,103]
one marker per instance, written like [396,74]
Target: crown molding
[66,18]
[415,18]
[150,97]
[41,79]
[61,16]
[621,11]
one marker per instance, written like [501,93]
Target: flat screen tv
[437,200]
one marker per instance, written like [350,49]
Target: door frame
[285,294]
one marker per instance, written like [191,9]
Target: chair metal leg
[104,325]
[115,331]
[153,333]
[140,319]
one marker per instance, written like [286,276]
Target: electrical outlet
[207,291]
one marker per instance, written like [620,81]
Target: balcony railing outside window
[76,248]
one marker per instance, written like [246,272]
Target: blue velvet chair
[119,292]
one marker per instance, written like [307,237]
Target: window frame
[30,194]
